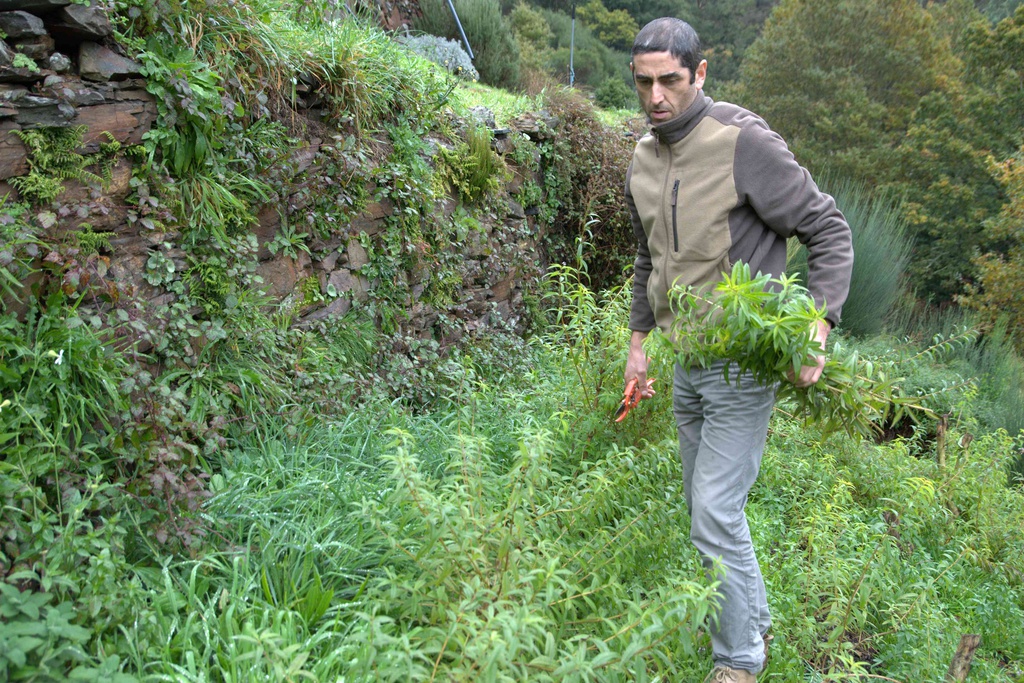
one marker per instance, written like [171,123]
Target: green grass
[504,104]
[514,532]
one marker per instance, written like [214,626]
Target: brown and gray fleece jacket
[715,186]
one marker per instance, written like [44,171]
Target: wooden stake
[940,440]
[961,664]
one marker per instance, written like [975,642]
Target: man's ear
[632,70]
[701,73]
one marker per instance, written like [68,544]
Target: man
[712,185]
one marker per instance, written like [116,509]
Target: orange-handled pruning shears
[630,398]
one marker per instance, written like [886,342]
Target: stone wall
[77,80]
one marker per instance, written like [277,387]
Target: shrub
[613,93]
[496,54]
[445,53]
[471,168]
[584,168]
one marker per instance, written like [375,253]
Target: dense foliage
[196,488]
[495,52]
[910,99]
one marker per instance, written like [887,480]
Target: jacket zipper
[675,231]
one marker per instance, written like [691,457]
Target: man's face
[664,86]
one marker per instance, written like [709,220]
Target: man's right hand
[636,364]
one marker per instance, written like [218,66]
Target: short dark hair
[672,35]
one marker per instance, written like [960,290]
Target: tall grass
[881,250]
[991,363]
[515,532]
[269,51]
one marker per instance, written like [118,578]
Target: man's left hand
[809,374]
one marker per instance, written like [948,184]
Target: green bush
[584,166]
[613,93]
[447,54]
[593,61]
[495,51]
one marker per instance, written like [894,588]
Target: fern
[53,159]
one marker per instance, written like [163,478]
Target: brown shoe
[723,674]
[767,641]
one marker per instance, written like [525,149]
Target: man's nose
[657,93]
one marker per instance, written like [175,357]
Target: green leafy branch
[763,325]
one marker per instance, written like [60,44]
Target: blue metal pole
[465,41]
[572,45]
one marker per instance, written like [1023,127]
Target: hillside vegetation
[209,491]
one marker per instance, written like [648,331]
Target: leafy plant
[23,61]
[62,381]
[766,334]
[21,246]
[496,54]
[584,169]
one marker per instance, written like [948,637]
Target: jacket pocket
[675,229]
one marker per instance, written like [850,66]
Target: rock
[41,6]
[52,80]
[280,275]
[83,97]
[336,308]
[515,210]
[97,63]
[37,48]
[484,115]
[343,281]
[17,25]
[503,289]
[303,157]
[539,126]
[330,261]
[13,158]
[41,112]
[11,93]
[19,74]
[116,188]
[126,121]
[268,220]
[357,256]
[6,54]
[76,23]
[364,223]
[378,210]
[59,63]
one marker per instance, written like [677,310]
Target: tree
[593,61]
[840,79]
[1000,289]
[644,11]
[909,99]
[943,166]
[533,35]
[997,10]
[616,29]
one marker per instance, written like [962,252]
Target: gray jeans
[722,431]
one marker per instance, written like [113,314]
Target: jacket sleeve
[790,203]
[641,317]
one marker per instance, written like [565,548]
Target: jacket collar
[674,130]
